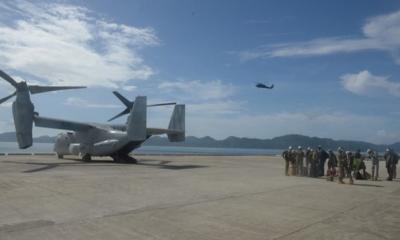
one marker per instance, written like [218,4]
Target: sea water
[12,147]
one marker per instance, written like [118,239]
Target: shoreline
[143,154]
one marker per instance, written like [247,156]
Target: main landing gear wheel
[60,156]
[124,159]
[131,160]
[86,158]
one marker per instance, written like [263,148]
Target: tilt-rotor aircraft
[91,139]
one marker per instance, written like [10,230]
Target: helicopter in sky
[262,85]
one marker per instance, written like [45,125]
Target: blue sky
[335,64]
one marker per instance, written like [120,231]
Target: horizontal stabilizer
[161,104]
[160,131]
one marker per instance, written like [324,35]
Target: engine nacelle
[23,121]
[63,143]
[74,149]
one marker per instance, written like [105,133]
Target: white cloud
[67,44]
[129,88]
[380,33]
[365,83]
[215,108]
[82,103]
[206,90]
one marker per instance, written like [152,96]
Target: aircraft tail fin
[137,120]
[177,124]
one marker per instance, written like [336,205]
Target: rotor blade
[125,101]
[126,111]
[8,97]
[9,79]
[34,89]
[162,104]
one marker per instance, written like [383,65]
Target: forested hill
[275,143]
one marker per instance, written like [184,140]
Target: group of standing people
[309,163]
[340,165]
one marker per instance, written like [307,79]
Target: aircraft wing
[61,124]
[150,131]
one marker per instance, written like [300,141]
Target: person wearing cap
[391,158]
[341,164]
[286,157]
[396,161]
[308,156]
[332,163]
[359,165]
[299,161]
[349,166]
[373,156]
[322,156]
[292,162]
[313,165]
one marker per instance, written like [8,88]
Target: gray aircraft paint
[111,140]
[23,108]
[90,139]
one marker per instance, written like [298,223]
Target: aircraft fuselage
[95,142]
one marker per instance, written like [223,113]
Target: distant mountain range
[275,143]
[10,137]
[235,142]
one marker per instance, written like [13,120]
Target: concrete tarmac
[188,197]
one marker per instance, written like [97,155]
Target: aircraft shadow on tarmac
[109,163]
[164,165]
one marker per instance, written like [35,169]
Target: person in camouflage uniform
[322,156]
[396,161]
[349,166]
[373,156]
[313,165]
[341,162]
[359,165]
[332,163]
[286,157]
[391,158]
[299,161]
[292,162]
[308,156]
